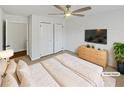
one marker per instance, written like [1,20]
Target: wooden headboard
[92,55]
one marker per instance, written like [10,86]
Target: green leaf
[118,51]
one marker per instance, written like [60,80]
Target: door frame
[6,29]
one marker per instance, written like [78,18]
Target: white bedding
[69,71]
[86,70]
[41,77]
[64,76]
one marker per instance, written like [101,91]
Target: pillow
[9,81]
[22,66]
[11,69]
[27,80]
[3,66]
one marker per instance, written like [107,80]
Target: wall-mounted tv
[96,36]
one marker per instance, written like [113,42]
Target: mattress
[64,76]
[85,69]
[41,77]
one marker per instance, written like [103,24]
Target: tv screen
[96,36]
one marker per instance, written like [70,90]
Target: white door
[58,37]
[16,36]
[46,39]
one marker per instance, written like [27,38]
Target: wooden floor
[19,54]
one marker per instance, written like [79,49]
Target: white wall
[16,19]
[113,21]
[33,37]
[1,28]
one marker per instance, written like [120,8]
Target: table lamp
[6,54]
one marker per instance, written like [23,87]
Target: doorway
[16,38]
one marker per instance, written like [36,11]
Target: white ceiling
[27,10]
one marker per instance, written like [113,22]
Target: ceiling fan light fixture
[68,14]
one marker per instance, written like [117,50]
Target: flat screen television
[96,36]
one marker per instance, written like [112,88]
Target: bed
[63,70]
[70,71]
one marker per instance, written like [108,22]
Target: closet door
[58,37]
[46,39]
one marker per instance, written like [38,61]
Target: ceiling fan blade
[81,9]
[80,15]
[59,7]
[56,14]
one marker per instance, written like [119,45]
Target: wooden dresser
[92,55]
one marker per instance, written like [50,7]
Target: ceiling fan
[67,12]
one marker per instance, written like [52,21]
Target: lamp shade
[6,53]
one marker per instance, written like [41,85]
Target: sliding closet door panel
[46,39]
[58,37]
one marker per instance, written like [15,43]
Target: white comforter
[86,70]
[68,71]
[64,76]
[41,77]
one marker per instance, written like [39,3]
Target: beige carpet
[119,80]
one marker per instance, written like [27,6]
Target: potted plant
[88,46]
[93,46]
[119,56]
[99,49]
